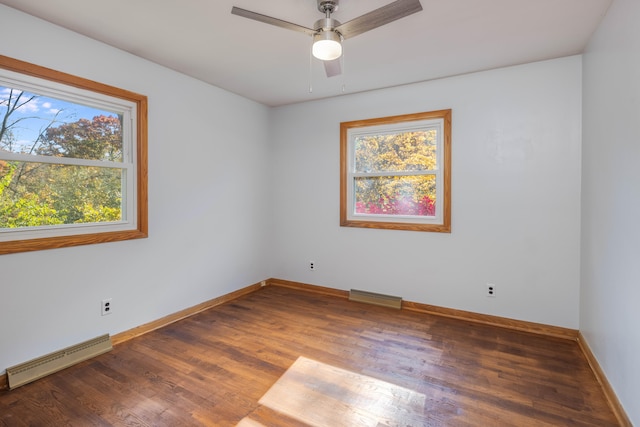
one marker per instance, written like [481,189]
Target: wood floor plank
[213,369]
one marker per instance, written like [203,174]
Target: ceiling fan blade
[379,17]
[270,20]
[333,68]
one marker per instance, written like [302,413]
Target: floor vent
[37,368]
[375,299]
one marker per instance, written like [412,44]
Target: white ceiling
[270,65]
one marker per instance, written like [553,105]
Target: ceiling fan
[328,33]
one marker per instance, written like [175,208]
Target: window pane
[392,152]
[396,195]
[41,125]
[37,194]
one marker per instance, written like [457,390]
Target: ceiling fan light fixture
[327,46]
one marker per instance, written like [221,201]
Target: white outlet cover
[106,307]
[491,290]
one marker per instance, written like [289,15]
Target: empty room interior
[249,278]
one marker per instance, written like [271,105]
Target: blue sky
[37,114]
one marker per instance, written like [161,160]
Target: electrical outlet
[106,306]
[491,290]
[312,266]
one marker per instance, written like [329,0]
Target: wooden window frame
[140,225]
[388,222]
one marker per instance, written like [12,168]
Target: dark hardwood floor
[214,368]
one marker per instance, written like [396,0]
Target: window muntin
[395,172]
[72,160]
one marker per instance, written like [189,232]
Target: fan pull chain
[311,66]
[344,71]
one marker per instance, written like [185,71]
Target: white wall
[207,194]
[516,196]
[609,316]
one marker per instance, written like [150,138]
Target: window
[395,172]
[73,160]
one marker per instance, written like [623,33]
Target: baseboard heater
[375,299]
[42,366]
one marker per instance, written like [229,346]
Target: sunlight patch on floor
[248,422]
[322,395]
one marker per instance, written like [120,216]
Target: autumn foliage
[395,174]
[398,206]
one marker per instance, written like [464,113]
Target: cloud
[29,107]
[4,94]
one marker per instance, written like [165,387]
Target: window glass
[36,194]
[396,195]
[392,152]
